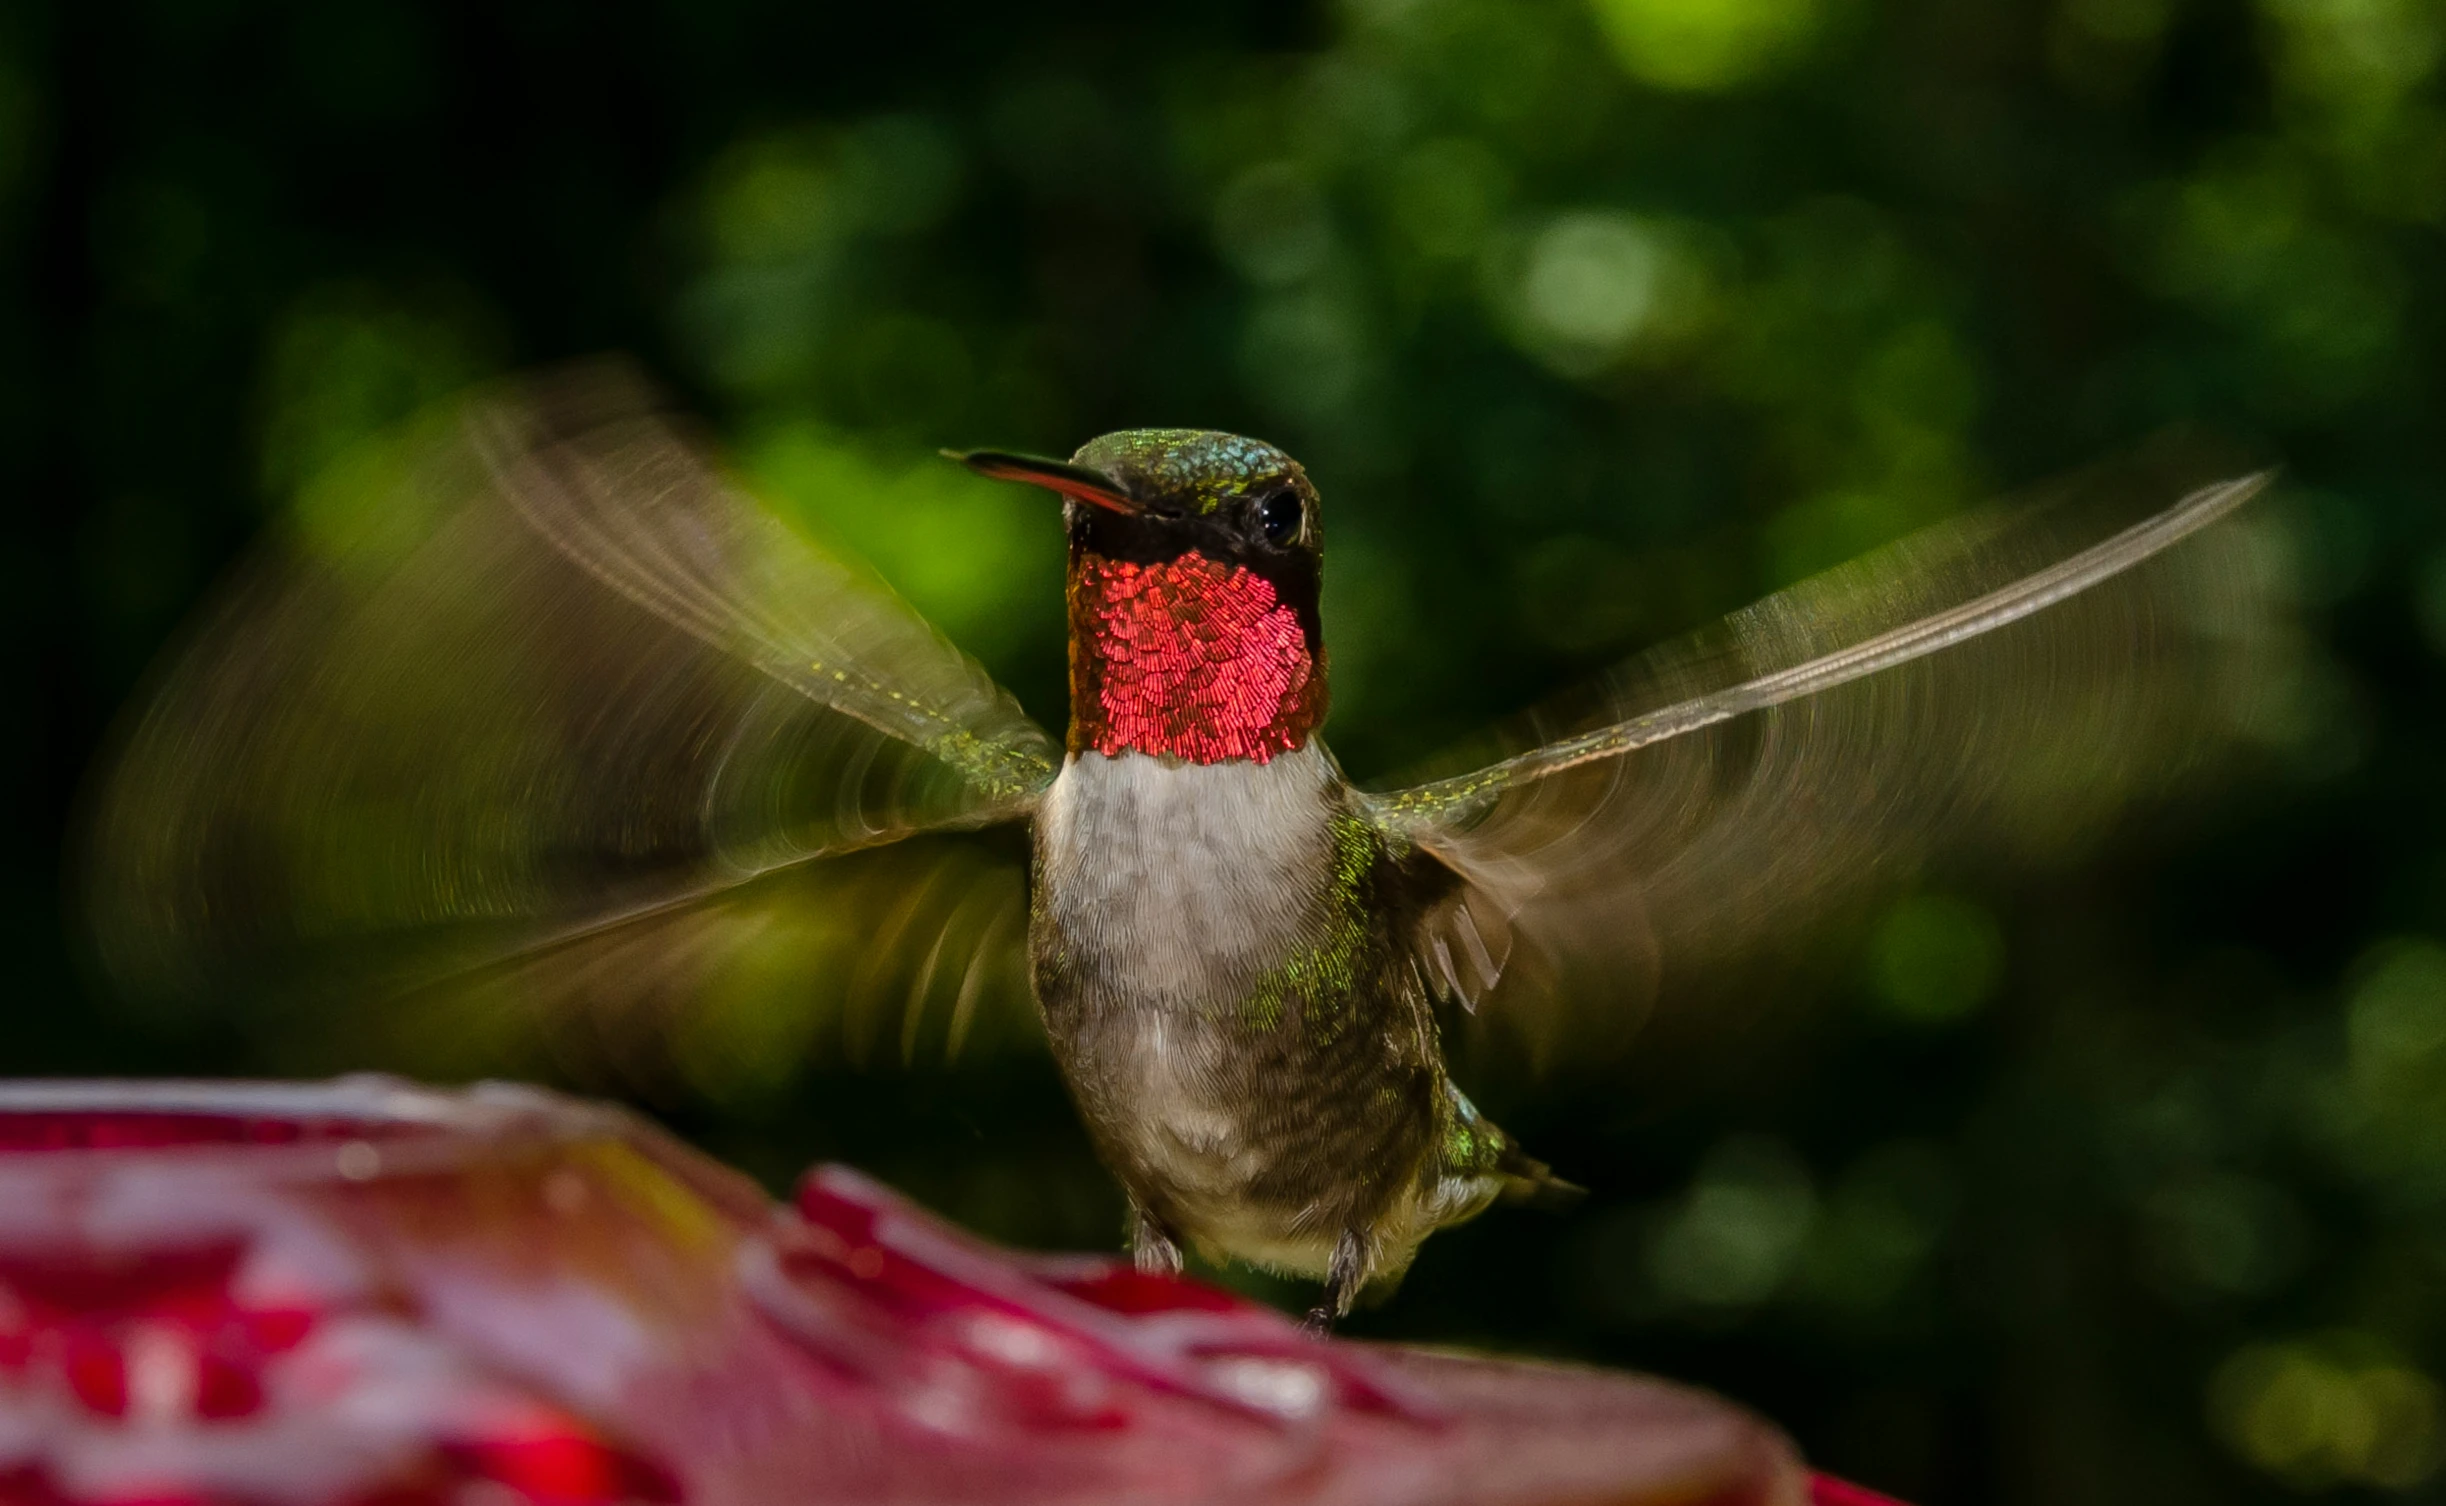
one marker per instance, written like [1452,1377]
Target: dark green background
[2123,1183]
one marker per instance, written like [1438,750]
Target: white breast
[1181,884]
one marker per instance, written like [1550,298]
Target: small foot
[1152,1246]
[1344,1275]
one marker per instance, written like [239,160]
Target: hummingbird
[566,704]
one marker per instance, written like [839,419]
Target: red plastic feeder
[369,1294]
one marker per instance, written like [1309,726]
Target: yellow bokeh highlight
[2329,1411]
[1705,45]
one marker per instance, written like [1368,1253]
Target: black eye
[1280,516]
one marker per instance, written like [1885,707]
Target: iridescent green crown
[1198,468]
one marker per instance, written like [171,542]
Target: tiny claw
[1319,1322]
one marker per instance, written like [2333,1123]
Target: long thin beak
[1056,475]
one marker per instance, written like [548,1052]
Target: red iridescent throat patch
[1189,657]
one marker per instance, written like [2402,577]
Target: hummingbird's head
[1195,560]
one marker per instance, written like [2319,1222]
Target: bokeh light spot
[1705,44]
[2398,1016]
[1935,958]
[1446,193]
[2223,1235]
[1739,1230]
[1271,224]
[1591,283]
[1878,1227]
[2336,1409]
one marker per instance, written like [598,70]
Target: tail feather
[1532,1182]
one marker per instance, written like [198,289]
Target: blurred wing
[2007,678]
[906,951]
[537,682]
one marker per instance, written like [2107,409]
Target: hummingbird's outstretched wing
[523,690]
[2006,678]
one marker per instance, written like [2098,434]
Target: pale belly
[1166,895]
[1199,1154]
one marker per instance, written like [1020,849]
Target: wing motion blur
[2007,678]
[540,703]
[545,688]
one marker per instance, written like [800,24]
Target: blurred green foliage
[2124,1182]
